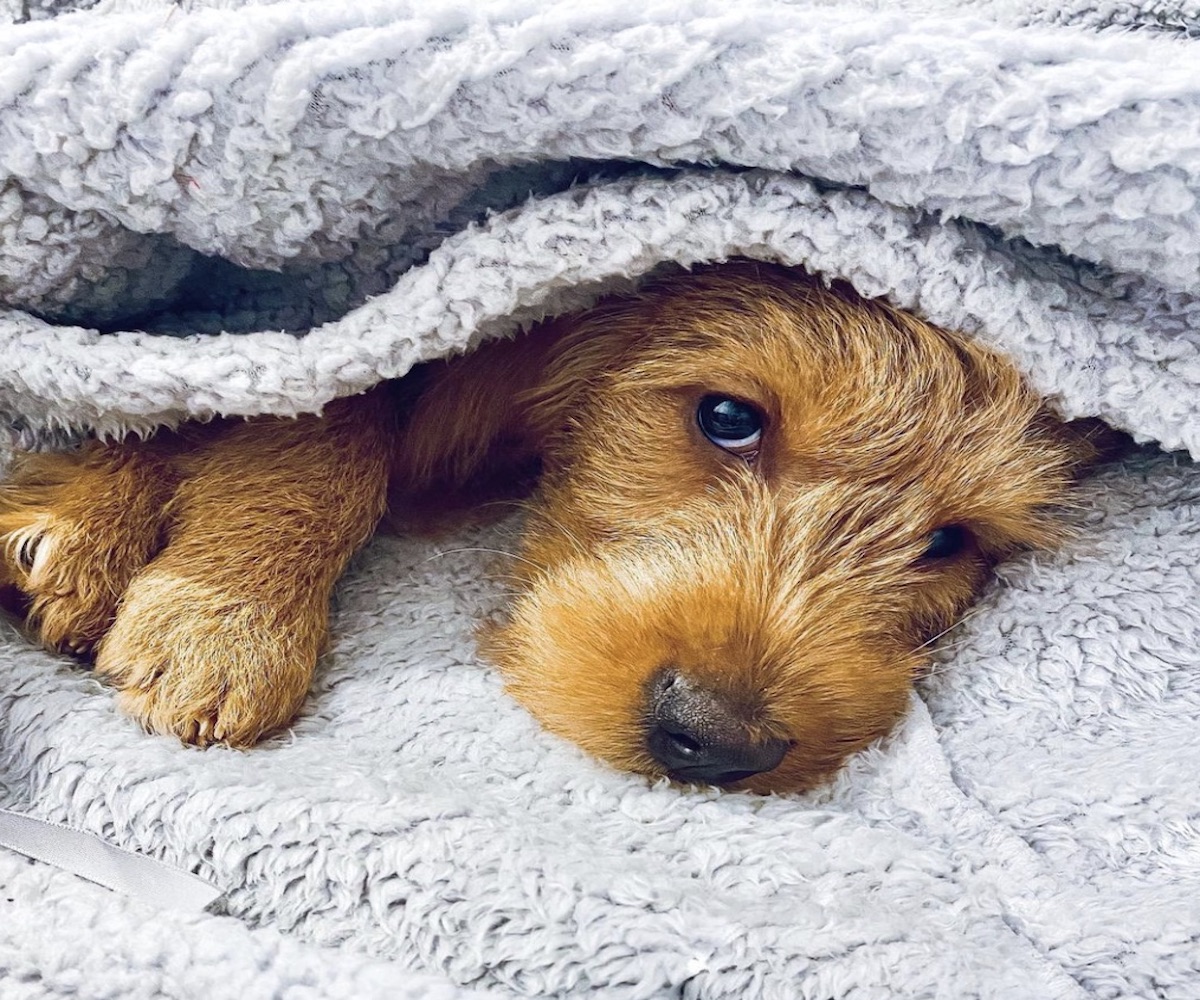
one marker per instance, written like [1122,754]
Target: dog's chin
[596,715]
[584,658]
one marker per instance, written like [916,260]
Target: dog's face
[762,500]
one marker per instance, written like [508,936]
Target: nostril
[674,749]
[685,744]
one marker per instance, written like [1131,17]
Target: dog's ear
[579,352]
[474,422]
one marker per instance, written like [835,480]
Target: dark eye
[946,541]
[730,423]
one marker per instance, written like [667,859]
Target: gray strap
[86,855]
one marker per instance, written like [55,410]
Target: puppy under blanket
[238,207]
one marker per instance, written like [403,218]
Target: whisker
[930,641]
[482,548]
[935,667]
[517,502]
[569,535]
[532,507]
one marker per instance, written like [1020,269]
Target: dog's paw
[75,528]
[71,584]
[208,665]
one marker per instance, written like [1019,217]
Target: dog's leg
[216,639]
[75,528]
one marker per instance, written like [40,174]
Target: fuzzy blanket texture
[238,207]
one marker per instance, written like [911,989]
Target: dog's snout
[700,737]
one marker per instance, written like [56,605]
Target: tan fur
[790,582]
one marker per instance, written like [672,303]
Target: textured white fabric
[1026,171]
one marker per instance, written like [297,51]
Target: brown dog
[759,500]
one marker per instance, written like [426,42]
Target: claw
[24,544]
[26,551]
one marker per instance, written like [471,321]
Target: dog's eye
[730,423]
[946,541]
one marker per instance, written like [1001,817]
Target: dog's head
[762,499]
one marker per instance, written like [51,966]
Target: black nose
[698,736]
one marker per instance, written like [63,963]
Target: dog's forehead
[814,356]
[850,390]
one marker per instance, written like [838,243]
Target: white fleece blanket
[239,207]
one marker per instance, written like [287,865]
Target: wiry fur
[199,564]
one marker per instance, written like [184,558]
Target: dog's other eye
[730,424]
[946,541]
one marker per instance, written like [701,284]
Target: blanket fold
[231,207]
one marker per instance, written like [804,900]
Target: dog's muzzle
[699,737]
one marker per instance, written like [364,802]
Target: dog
[757,499]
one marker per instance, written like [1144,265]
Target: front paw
[71,579]
[209,665]
[75,528]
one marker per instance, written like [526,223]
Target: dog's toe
[72,589]
[203,665]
